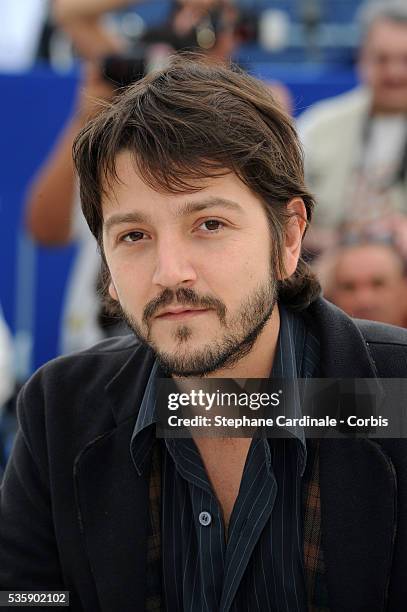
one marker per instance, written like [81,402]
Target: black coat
[73,511]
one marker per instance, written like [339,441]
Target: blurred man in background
[356,144]
[367,280]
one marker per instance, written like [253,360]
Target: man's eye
[211,225]
[132,237]
[378,283]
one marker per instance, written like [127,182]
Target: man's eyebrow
[120,218]
[211,202]
[183,211]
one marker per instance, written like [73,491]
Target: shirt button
[205,519]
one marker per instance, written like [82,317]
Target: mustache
[185,297]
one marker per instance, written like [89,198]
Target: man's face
[369,284]
[383,66]
[192,272]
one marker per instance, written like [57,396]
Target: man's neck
[378,111]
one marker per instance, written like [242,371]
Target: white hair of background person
[374,10]
[6,362]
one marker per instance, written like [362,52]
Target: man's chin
[390,103]
[185,352]
[193,357]
[201,359]
[180,341]
[186,364]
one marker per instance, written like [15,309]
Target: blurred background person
[54,218]
[367,280]
[356,144]
[211,26]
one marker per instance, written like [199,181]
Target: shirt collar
[143,435]
[288,364]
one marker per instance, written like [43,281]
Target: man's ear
[113,292]
[294,231]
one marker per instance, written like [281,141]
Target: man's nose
[173,266]
[396,69]
[365,297]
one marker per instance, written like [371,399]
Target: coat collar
[344,353]
[125,390]
[357,487]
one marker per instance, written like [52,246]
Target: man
[356,144]
[367,281]
[192,184]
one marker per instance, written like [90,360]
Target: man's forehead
[127,193]
[370,259]
[386,33]
[127,170]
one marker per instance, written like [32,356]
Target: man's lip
[179,313]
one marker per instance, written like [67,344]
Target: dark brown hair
[192,120]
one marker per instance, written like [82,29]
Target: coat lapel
[113,510]
[357,484]
[358,505]
[112,499]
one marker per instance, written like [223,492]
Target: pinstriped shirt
[260,566]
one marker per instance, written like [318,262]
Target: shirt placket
[250,515]
[205,575]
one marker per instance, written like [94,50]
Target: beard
[237,340]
